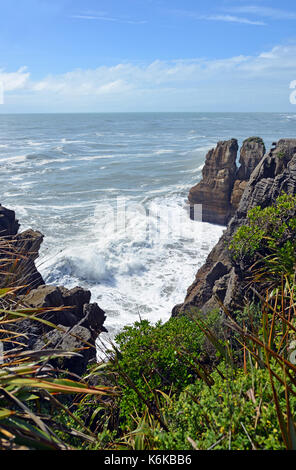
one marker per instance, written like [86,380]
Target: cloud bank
[239,83]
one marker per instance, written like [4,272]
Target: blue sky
[147,55]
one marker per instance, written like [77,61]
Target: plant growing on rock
[269,237]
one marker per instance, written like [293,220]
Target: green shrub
[281,155]
[236,413]
[162,357]
[269,233]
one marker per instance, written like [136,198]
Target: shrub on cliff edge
[165,357]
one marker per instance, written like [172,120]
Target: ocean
[109,192]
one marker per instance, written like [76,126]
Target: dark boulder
[77,339]
[8,224]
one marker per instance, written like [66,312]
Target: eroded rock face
[77,307]
[214,191]
[77,319]
[274,174]
[237,193]
[70,340]
[8,224]
[22,249]
[252,152]
[28,244]
[222,185]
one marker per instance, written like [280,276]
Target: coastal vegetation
[221,381]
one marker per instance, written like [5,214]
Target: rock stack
[275,173]
[222,186]
[252,152]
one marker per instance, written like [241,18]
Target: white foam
[164,151]
[69,141]
[97,157]
[130,273]
[14,159]
[35,144]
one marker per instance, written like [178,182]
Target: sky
[148,55]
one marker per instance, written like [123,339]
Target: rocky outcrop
[214,191]
[274,174]
[223,184]
[20,251]
[69,339]
[27,245]
[78,321]
[8,223]
[252,152]
[236,195]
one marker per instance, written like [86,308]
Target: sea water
[109,192]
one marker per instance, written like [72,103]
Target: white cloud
[266,12]
[103,80]
[102,16]
[232,19]
[128,77]
[224,84]
[14,80]
[226,18]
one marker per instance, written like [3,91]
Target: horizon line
[146,112]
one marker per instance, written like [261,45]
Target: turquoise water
[65,175]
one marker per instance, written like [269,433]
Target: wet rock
[73,306]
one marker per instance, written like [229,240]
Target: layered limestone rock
[78,322]
[252,152]
[77,319]
[276,173]
[214,191]
[222,185]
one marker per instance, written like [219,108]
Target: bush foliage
[162,357]
[161,386]
[269,232]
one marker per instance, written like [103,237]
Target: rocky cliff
[222,185]
[275,173]
[78,320]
